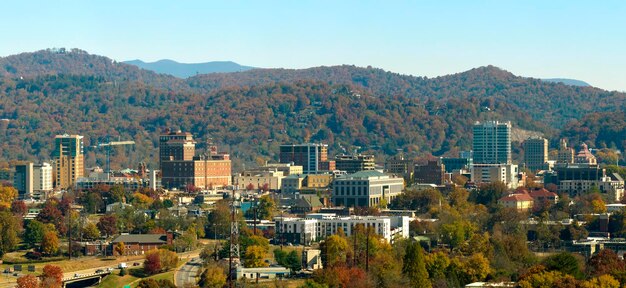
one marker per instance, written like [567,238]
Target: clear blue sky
[583,40]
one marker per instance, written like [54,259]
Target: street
[187,273]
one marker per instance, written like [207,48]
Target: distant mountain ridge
[572,82]
[251,112]
[186,70]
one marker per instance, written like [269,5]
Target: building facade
[492,142]
[181,168]
[565,154]
[576,179]
[366,189]
[273,179]
[505,173]
[42,180]
[69,162]
[23,180]
[397,165]
[431,173]
[355,163]
[536,153]
[311,156]
[139,244]
[317,227]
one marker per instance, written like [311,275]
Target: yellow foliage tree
[7,195]
[50,243]
[120,248]
[254,257]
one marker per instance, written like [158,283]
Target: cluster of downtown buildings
[309,180]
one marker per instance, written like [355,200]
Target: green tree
[414,266]
[564,262]
[266,207]
[118,194]
[293,261]
[34,232]
[9,228]
[90,231]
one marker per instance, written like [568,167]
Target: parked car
[99,270]
[136,264]
[122,265]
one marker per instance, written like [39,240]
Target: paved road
[187,273]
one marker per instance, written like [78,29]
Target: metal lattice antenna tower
[234,238]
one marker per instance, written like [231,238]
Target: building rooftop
[366,175]
[516,197]
[141,238]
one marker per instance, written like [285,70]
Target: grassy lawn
[167,275]
[76,264]
[133,277]
[116,281]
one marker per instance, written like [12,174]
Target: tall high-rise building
[69,161]
[181,168]
[536,153]
[492,142]
[566,154]
[176,145]
[311,156]
[42,177]
[23,180]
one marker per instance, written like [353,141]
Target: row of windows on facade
[341,191]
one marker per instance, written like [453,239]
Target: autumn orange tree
[52,277]
[27,281]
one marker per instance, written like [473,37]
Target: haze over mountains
[250,113]
[185,70]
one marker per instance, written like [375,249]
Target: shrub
[33,255]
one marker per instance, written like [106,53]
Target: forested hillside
[251,113]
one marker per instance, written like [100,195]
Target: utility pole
[234,240]
[355,233]
[367,250]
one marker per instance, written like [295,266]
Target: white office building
[318,226]
[42,177]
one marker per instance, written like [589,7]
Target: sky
[584,40]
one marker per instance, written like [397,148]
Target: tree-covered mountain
[251,113]
[185,70]
[78,62]
[555,104]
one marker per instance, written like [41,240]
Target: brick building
[139,244]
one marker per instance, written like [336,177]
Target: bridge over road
[84,280]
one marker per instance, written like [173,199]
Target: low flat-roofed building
[259,178]
[262,272]
[318,226]
[292,183]
[366,189]
[139,244]
[355,163]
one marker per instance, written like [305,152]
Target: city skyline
[557,39]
